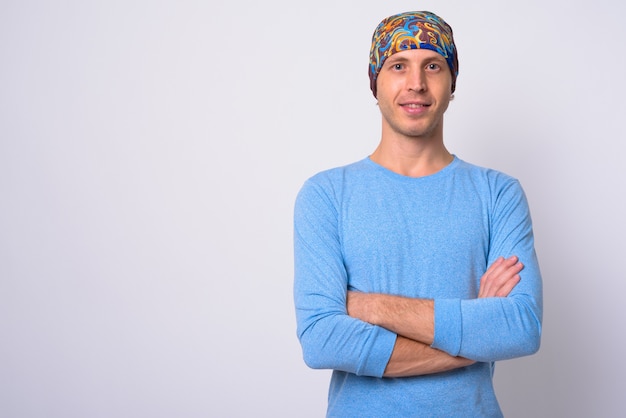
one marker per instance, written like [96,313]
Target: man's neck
[412,157]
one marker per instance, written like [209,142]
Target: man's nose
[416,80]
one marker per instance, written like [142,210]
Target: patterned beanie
[412,30]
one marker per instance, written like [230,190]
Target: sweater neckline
[392,174]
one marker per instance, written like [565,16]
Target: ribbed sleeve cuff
[448,326]
[376,362]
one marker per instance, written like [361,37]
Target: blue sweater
[363,227]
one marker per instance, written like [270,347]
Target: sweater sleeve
[330,339]
[491,329]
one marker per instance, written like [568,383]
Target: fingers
[500,278]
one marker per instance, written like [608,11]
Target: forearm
[412,318]
[412,358]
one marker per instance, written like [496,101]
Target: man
[414,270]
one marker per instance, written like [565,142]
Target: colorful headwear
[412,30]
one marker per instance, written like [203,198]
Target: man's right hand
[500,278]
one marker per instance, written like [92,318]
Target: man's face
[413,92]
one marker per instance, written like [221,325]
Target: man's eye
[398,66]
[433,66]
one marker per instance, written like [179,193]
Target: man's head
[412,30]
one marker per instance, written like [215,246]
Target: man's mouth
[415,105]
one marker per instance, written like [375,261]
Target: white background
[150,153]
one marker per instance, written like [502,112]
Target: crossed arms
[412,319]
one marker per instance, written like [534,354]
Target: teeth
[414,106]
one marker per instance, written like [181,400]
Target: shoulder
[339,173]
[499,190]
[488,177]
[335,178]
[483,172]
[327,186]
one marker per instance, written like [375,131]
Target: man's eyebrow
[437,57]
[394,59]
[400,59]
[397,58]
